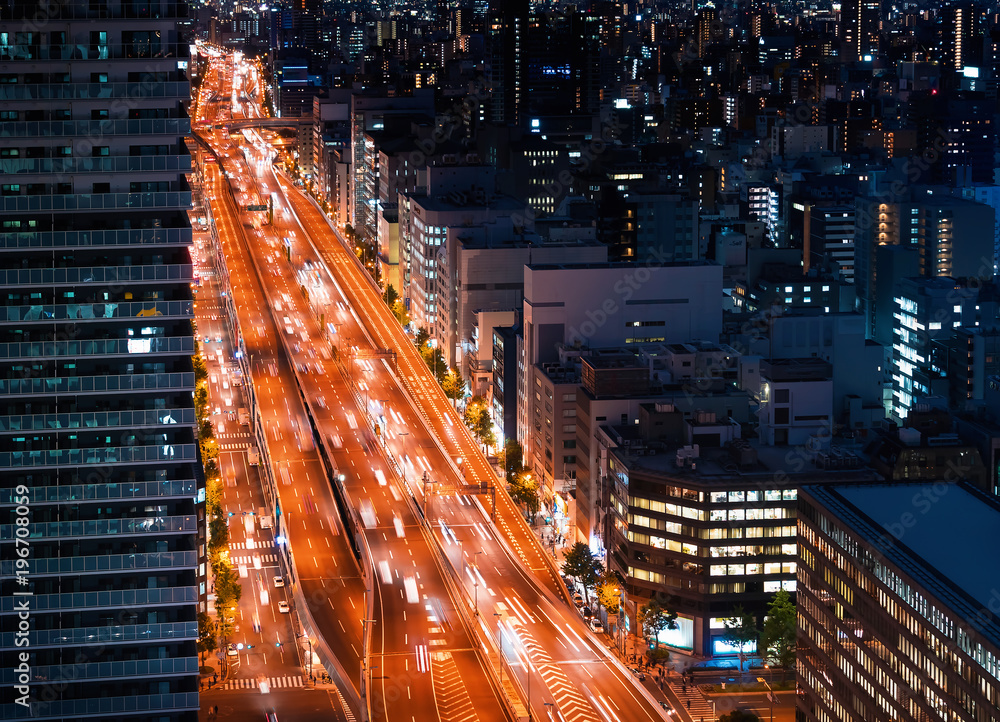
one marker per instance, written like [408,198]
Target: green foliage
[607,588]
[655,618]
[207,630]
[436,363]
[777,638]
[512,459]
[205,430]
[399,311]
[740,630]
[201,402]
[580,563]
[390,296]
[524,490]
[477,418]
[454,384]
[200,368]
[227,586]
[218,532]
[422,337]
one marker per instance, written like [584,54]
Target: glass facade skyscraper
[100,483]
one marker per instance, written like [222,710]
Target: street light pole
[770,695]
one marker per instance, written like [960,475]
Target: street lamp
[475,581]
[770,695]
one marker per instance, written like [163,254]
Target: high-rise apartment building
[892,623]
[99,458]
[508,39]
[860,24]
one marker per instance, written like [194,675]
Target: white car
[279,582]
[283,607]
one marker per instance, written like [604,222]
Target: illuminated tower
[860,23]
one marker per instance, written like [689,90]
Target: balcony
[102,706]
[180,90]
[99,420]
[88,51]
[107,600]
[146,127]
[106,527]
[97,239]
[96,202]
[96,274]
[97,384]
[107,347]
[170,453]
[93,671]
[101,10]
[104,563]
[92,636]
[97,311]
[106,164]
[138,490]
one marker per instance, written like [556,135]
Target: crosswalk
[236,546]
[699,706]
[453,701]
[572,705]
[264,558]
[275,683]
[234,447]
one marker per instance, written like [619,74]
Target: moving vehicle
[279,582]
[283,607]
[596,627]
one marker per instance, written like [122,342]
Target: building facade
[890,627]
[98,441]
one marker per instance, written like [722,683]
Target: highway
[423,663]
[509,586]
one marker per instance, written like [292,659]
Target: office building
[98,428]
[892,624]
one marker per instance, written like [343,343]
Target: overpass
[264,123]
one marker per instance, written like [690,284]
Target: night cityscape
[500,361]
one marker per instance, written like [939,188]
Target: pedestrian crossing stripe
[243,545]
[264,558]
[233,447]
[274,682]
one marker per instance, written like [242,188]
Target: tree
[454,384]
[655,618]
[390,296]
[777,638]
[477,418]
[607,589]
[741,630]
[524,490]
[512,459]
[436,363]
[207,629]
[399,311]
[422,337]
[227,586]
[739,715]
[200,369]
[218,532]
[579,563]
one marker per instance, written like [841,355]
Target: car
[638,673]
[587,614]
[596,627]
[283,607]
[232,651]
[279,582]
[218,339]
[578,600]
[208,339]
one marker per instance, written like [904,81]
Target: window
[569,443]
[569,459]
[8,115]
[98,77]
[781,396]
[100,151]
[781,416]
[10,189]
[99,114]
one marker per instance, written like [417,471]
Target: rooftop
[941,534]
